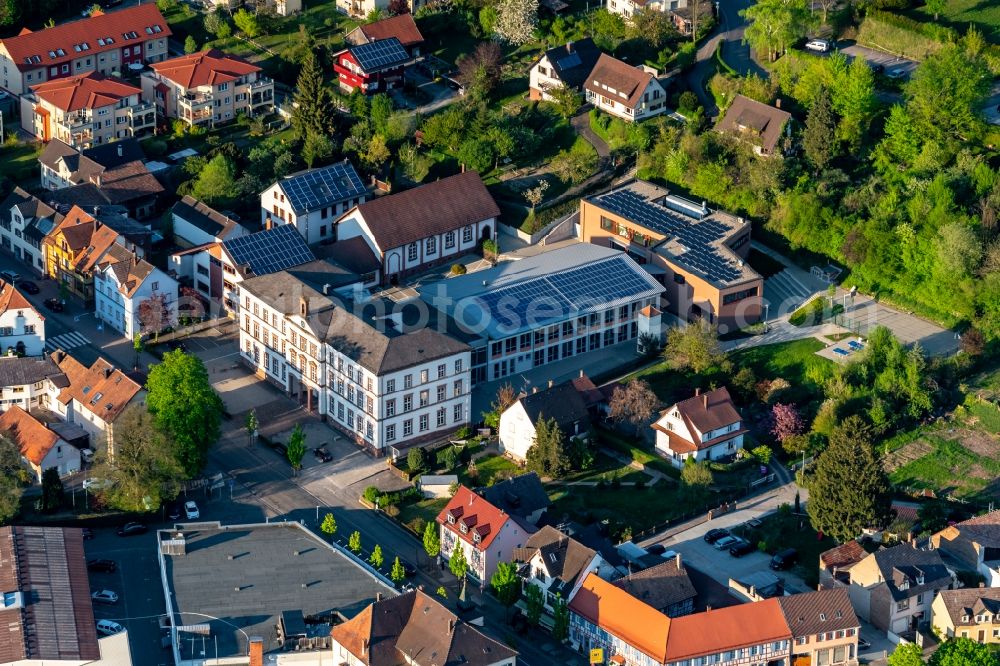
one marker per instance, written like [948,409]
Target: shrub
[417,525]
[458,269]
[464,432]
[372,494]
[392,510]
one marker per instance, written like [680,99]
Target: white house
[22,328]
[567,65]
[486,534]
[40,448]
[704,427]
[622,90]
[26,381]
[562,403]
[122,282]
[312,200]
[24,222]
[425,226]
[196,223]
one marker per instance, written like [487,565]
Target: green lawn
[488,467]
[786,530]
[984,14]
[426,510]
[20,161]
[795,361]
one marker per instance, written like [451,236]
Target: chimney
[326,289]
[98,183]
[551,383]
[120,151]
[581,373]
[534,389]
[107,373]
[303,306]
[680,564]
[704,400]
[267,223]
[378,596]
[256,651]
[777,103]
[451,625]
[913,542]
[364,648]
[697,392]
[569,46]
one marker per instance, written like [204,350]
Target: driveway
[887,61]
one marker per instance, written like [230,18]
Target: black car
[714,535]
[322,455]
[88,534]
[174,345]
[174,511]
[784,559]
[132,529]
[54,304]
[740,549]
[28,287]
[102,566]
[656,549]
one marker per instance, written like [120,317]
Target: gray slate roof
[519,496]
[661,586]
[902,565]
[203,216]
[565,558]
[562,402]
[19,371]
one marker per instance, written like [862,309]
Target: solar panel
[271,250]
[570,61]
[379,54]
[317,188]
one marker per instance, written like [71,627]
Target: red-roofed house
[22,327]
[105,42]
[86,110]
[486,534]
[401,26]
[40,447]
[704,427]
[630,93]
[207,88]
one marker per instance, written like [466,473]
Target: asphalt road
[729,31]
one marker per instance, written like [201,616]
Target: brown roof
[565,558]
[435,208]
[702,413]
[660,586]
[129,270]
[102,389]
[12,299]
[984,529]
[725,629]
[585,386]
[205,68]
[144,20]
[415,628]
[618,80]
[402,27]
[86,91]
[764,122]
[812,613]
[844,555]
[354,254]
[204,217]
[86,237]
[31,436]
[479,516]
[969,603]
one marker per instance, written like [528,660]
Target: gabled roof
[318,188]
[30,206]
[84,166]
[574,61]
[762,121]
[268,251]
[588,391]
[101,389]
[565,558]
[520,496]
[99,33]
[24,370]
[130,271]
[86,237]
[964,605]
[660,586]
[479,517]
[204,68]
[427,210]
[401,26]
[204,217]
[619,613]
[984,529]
[618,80]
[85,91]
[31,436]
[843,556]
[561,402]
[12,299]
[903,566]
[378,55]
[700,414]
[415,628]
[354,254]
[812,613]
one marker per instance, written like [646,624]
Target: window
[424,376]
[442,392]
[449,240]
[407,427]
[411,252]
[458,365]
[607,223]
[467,234]
[739,295]
[390,432]
[431,245]
[408,381]
[903,605]
[510,345]
[679,279]
[390,385]
[424,423]
[408,402]
[442,370]
[458,388]
[442,415]
[425,398]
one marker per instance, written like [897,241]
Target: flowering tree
[785,421]
[154,314]
[516,21]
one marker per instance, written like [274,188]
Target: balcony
[195,103]
[142,116]
[261,92]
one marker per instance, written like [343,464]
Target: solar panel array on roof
[270,250]
[317,188]
[376,55]
[696,237]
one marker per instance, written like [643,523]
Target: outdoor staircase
[784,292]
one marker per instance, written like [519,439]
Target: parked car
[132,529]
[191,511]
[54,304]
[818,45]
[863,644]
[28,287]
[877,67]
[715,534]
[102,566]
[740,549]
[109,628]
[726,542]
[656,549]
[322,455]
[896,73]
[10,276]
[87,455]
[105,597]
[784,559]
[174,511]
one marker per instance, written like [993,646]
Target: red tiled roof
[204,68]
[478,515]
[12,299]
[86,91]
[31,436]
[63,40]
[102,389]
[843,555]
[402,27]
[622,615]
[725,629]
[627,82]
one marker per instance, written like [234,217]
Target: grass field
[984,14]
[488,467]
[19,160]
[625,506]
[427,510]
[957,462]
[795,361]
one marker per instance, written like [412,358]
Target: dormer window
[822,617]
[965,618]
[464,528]
[920,579]
[451,519]
[476,538]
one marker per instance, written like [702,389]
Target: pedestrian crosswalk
[69,340]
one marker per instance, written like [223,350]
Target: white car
[818,45]
[109,628]
[191,510]
[726,542]
[105,597]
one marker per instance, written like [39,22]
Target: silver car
[726,542]
[105,597]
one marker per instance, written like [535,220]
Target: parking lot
[887,61]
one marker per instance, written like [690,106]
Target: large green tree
[145,471]
[819,136]
[10,471]
[313,110]
[457,564]
[296,449]
[776,24]
[52,490]
[548,455]
[946,95]
[217,181]
[185,406]
[907,654]
[849,490]
[432,542]
[506,583]
[694,346]
[963,652]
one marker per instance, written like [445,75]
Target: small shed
[436,485]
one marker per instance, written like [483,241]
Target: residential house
[825,629]
[425,226]
[624,91]
[27,381]
[486,535]
[312,200]
[24,221]
[22,327]
[122,283]
[561,403]
[371,68]
[86,110]
[627,8]
[207,88]
[698,255]
[630,632]
[591,297]
[557,564]
[109,43]
[893,588]
[375,373]
[760,125]
[522,496]
[360,9]
[401,26]
[974,545]
[562,66]
[93,397]
[215,270]
[279,7]
[667,587]
[682,14]
[972,613]
[41,449]
[74,248]
[704,427]
[196,223]
[414,629]
[595,398]
[835,564]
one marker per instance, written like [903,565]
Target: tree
[560,619]
[217,25]
[775,24]
[329,525]
[185,406]
[907,654]
[963,652]
[376,559]
[313,110]
[316,148]
[377,152]
[397,7]
[516,21]
[190,45]
[946,96]
[566,100]
[634,402]
[936,7]
[145,471]
[849,490]
[379,112]
[505,397]
[506,584]
[457,563]
[818,138]
[354,542]
[695,6]
[547,455]
[52,490]
[785,422]
[251,426]
[534,195]
[10,12]
[695,474]
[535,603]
[762,453]
[416,459]
[959,250]
[397,574]
[695,347]
[246,23]
[651,26]
[154,314]
[217,181]
[852,97]
[432,541]
[475,153]
[479,71]
[296,447]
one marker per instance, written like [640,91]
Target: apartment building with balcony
[86,110]
[24,221]
[107,43]
[207,88]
